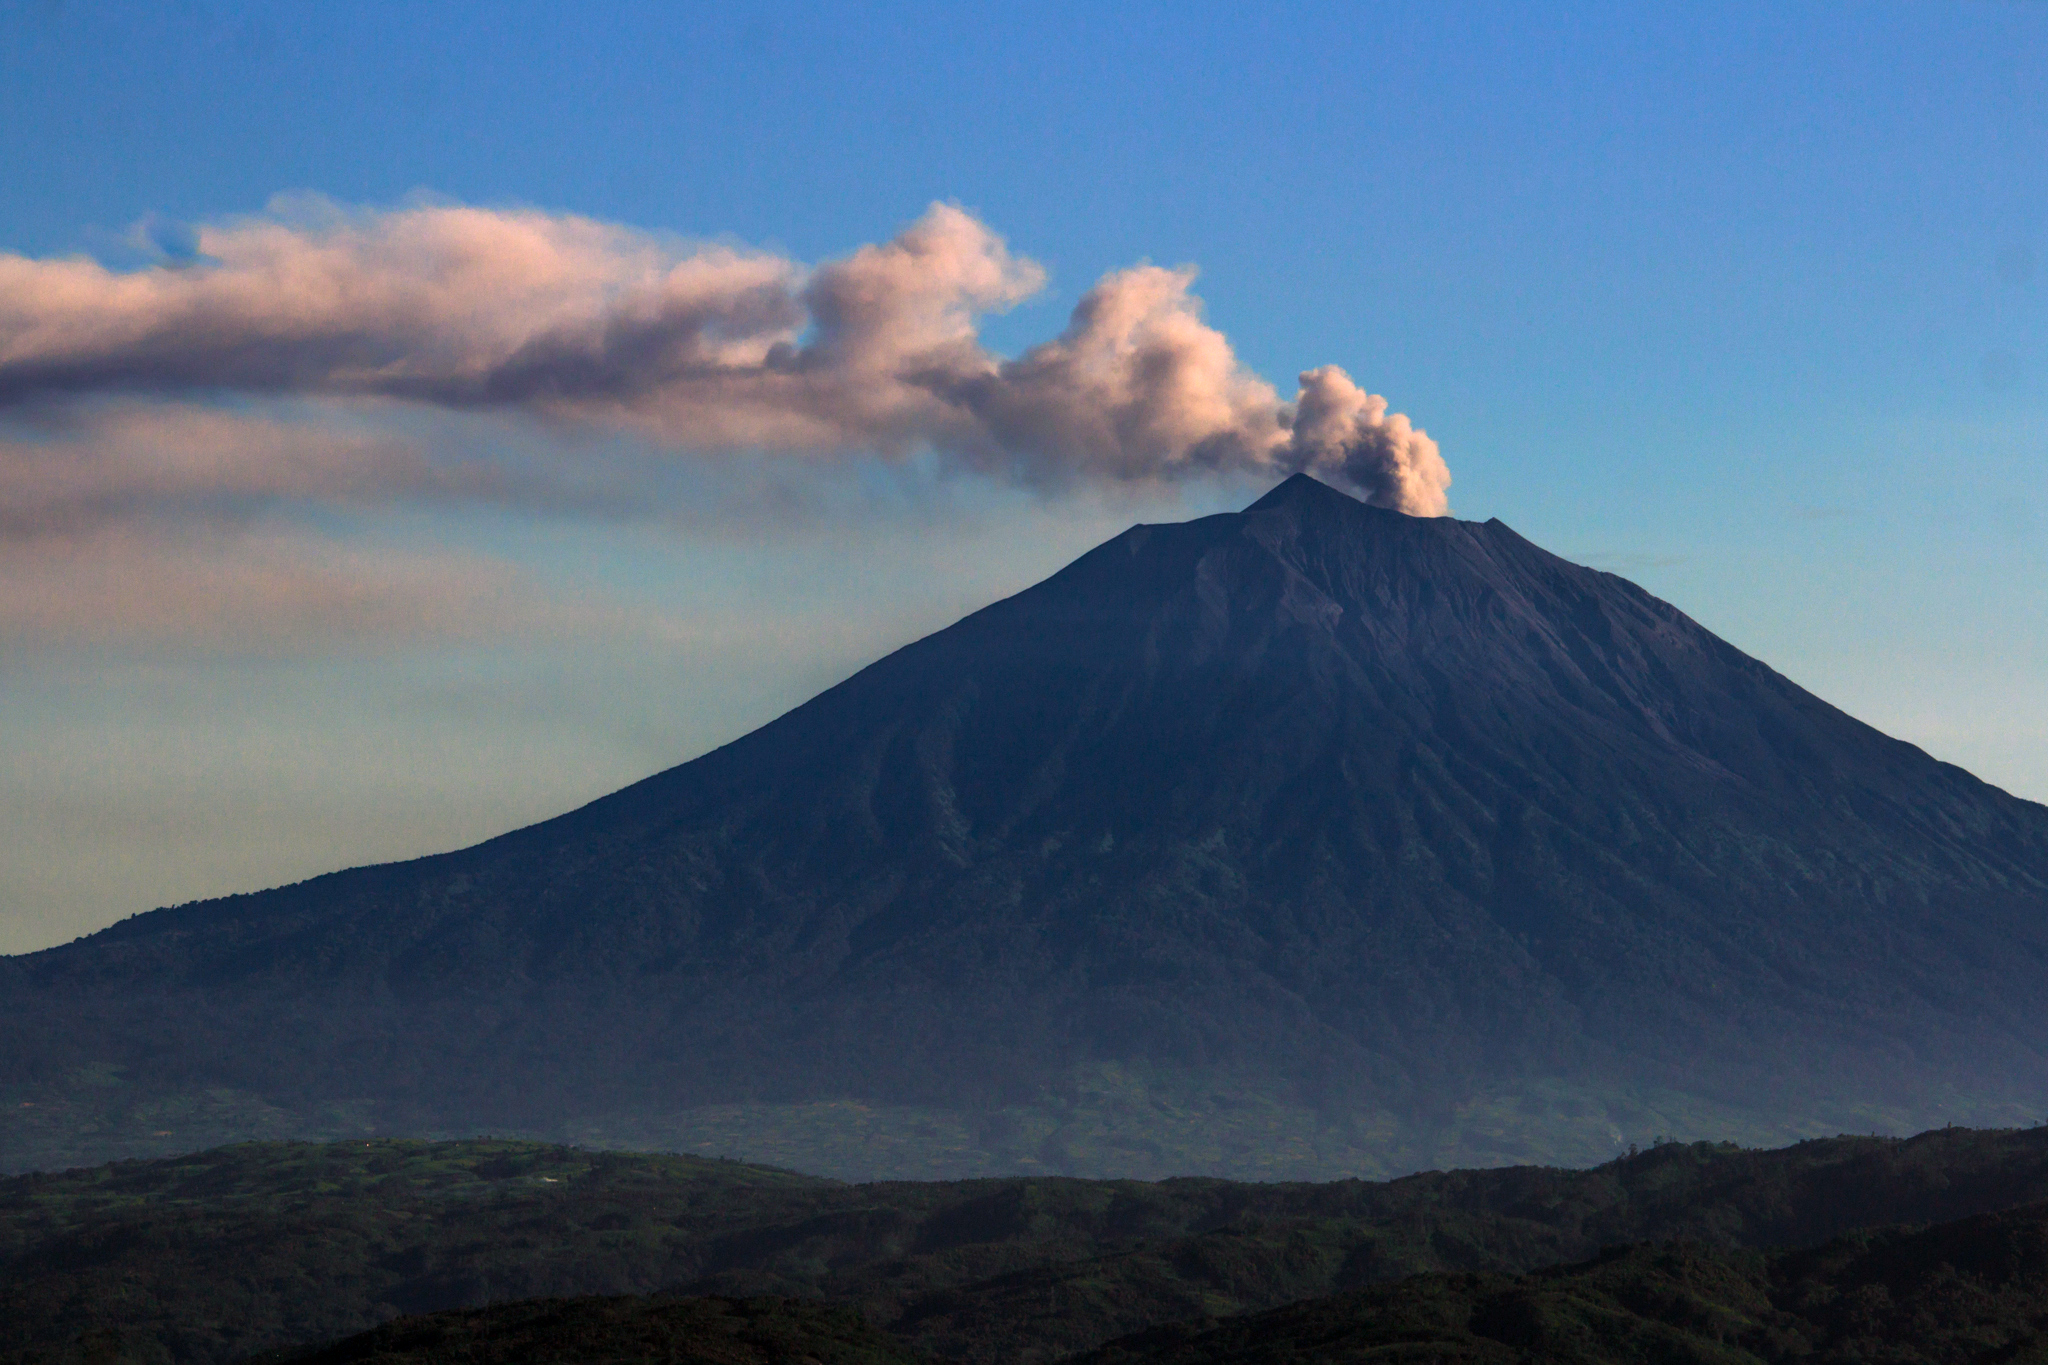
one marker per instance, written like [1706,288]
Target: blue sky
[1748,303]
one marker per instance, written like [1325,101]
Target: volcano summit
[1306,840]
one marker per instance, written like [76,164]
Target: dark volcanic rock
[1389,815]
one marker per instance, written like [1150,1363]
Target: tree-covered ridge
[1963,1292]
[1955,1294]
[212,1257]
[685,1331]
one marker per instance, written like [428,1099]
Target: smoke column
[705,349]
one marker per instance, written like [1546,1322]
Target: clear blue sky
[1748,303]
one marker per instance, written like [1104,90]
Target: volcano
[1306,840]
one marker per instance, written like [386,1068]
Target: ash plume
[702,348]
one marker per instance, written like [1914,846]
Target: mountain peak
[1302,490]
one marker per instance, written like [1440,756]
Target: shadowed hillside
[699,1331]
[208,1258]
[1973,1291]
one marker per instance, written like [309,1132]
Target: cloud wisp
[261,593]
[182,464]
[704,349]
[154,525]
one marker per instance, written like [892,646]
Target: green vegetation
[213,1257]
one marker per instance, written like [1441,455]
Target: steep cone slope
[1389,814]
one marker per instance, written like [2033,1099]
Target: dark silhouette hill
[1962,1293]
[1308,839]
[675,1331]
[208,1258]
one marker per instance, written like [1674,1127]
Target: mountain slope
[1387,817]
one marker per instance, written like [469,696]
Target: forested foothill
[281,1248]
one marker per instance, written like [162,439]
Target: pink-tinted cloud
[705,349]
